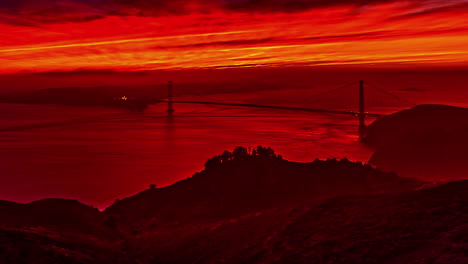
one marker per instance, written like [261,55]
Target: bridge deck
[351,113]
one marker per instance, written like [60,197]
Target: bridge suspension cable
[390,94]
[171,100]
[333,90]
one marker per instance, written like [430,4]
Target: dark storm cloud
[36,12]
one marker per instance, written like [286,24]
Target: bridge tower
[170,99]
[362,112]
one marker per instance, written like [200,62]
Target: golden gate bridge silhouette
[360,113]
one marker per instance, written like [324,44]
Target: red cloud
[37,12]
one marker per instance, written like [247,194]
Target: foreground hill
[252,207]
[56,214]
[427,141]
[238,183]
[54,231]
[425,226]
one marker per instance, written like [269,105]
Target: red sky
[67,35]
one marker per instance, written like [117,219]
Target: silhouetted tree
[226,156]
[240,153]
[210,163]
[265,152]
[213,162]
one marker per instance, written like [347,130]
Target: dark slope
[57,215]
[54,231]
[251,208]
[43,246]
[426,226]
[428,141]
[249,183]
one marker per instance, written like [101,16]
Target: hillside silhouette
[428,141]
[56,214]
[54,231]
[240,182]
[424,226]
[109,96]
[251,206]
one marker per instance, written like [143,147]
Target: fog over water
[96,154]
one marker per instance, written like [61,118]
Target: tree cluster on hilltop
[242,153]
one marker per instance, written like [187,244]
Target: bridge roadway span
[351,113]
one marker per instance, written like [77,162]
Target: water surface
[99,154]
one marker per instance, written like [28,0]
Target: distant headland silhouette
[428,141]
